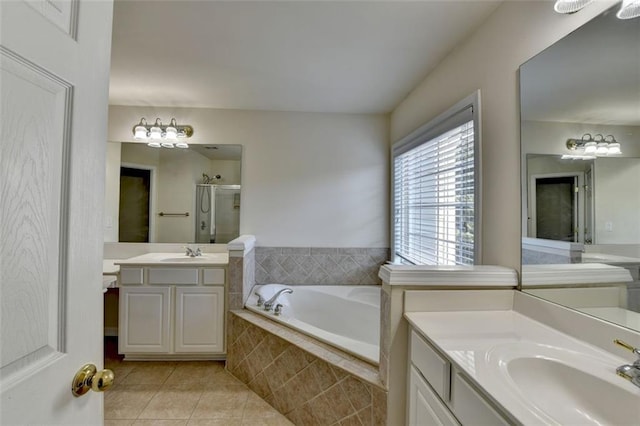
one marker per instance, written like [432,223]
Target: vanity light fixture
[159,135]
[630,8]
[589,147]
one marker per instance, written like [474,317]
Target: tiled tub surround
[309,382]
[313,265]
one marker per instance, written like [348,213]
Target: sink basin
[572,396]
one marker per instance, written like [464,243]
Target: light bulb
[155,133]
[570,6]
[590,148]
[167,144]
[171,132]
[181,144]
[630,9]
[140,132]
[614,149]
[603,148]
[153,144]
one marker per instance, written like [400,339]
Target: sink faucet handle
[260,299]
[627,346]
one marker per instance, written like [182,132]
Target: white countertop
[480,343]
[109,281]
[109,267]
[608,258]
[175,259]
[617,315]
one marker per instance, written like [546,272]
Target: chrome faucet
[269,303]
[193,253]
[630,372]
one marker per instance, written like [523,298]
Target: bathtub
[347,317]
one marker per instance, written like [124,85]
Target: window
[435,190]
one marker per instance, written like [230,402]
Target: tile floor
[181,393]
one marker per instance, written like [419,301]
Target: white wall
[229,170]
[617,200]
[489,61]
[308,179]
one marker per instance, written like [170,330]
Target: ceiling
[591,76]
[316,56]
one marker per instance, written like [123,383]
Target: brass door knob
[89,378]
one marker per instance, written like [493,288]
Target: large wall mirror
[579,99]
[179,195]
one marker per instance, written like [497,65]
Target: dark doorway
[135,185]
[556,208]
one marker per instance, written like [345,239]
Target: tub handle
[278,309]
[260,299]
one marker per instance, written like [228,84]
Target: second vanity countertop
[175,259]
[482,343]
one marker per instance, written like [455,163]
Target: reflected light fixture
[630,8]
[570,6]
[589,147]
[159,135]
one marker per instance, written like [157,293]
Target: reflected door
[557,208]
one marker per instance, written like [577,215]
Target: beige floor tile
[127,403]
[120,371]
[160,423]
[222,380]
[258,412]
[193,373]
[225,404]
[254,402]
[267,420]
[215,422]
[118,422]
[171,405]
[150,373]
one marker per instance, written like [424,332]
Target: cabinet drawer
[434,367]
[131,276]
[173,276]
[425,408]
[213,276]
[470,406]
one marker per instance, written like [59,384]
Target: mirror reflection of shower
[217,212]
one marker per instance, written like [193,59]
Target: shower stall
[217,213]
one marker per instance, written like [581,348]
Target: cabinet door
[199,319]
[145,314]
[425,408]
[470,406]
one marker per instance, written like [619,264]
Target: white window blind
[434,194]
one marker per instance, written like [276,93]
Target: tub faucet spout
[269,303]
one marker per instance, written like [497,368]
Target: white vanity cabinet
[440,394]
[172,312]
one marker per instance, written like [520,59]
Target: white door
[54,64]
